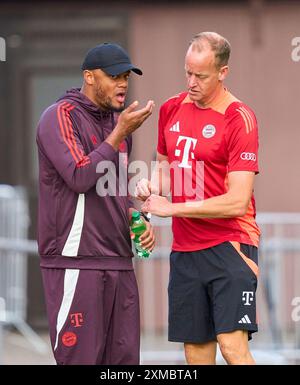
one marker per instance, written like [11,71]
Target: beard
[105,102]
[117,109]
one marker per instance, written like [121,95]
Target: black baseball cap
[111,58]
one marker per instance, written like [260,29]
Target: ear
[88,77]
[223,72]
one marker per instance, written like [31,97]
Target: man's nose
[192,81]
[123,83]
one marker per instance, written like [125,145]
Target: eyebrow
[197,74]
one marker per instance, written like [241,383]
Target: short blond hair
[217,43]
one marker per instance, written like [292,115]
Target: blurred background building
[45,44]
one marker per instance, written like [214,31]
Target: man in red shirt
[208,139]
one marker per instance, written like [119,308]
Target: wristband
[144,216]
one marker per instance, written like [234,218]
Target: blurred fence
[279,281]
[14,223]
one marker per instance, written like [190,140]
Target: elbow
[240,209]
[240,212]
[78,188]
[236,206]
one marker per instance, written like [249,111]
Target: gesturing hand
[131,119]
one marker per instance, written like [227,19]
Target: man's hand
[129,121]
[158,205]
[148,237]
[143,189]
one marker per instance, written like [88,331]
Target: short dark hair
[217,43]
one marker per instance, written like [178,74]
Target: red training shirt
[213,141]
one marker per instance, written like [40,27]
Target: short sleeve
[161,144]
[242,140]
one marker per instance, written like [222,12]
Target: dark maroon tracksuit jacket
[70,139]
[84,239]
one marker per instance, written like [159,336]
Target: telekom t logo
[247,297]
[189,142]
[76,319]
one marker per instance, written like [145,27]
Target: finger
[148,240]
[145,208]
[139,195]
[143,182]
[147,110]
[146,245]
[148,237]
[142,111]
[144,186]
[146,114]
[139,189]
[144,190]
[150,104]
[151,107]
[141,198]
[132,106]
[145,235]
[149,245]
[149,248]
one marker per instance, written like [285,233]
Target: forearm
[222,206]
[83,175]
[115,138]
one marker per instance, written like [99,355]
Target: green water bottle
[137,227]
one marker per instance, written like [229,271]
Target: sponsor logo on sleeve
[248,156]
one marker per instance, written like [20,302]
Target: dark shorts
[93,316]
[212,291]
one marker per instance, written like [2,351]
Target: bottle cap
[136,215]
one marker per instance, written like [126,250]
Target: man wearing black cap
[83,236]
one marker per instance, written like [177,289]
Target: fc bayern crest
[209,131]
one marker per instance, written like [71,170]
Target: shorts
[93,316]
[212,291]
